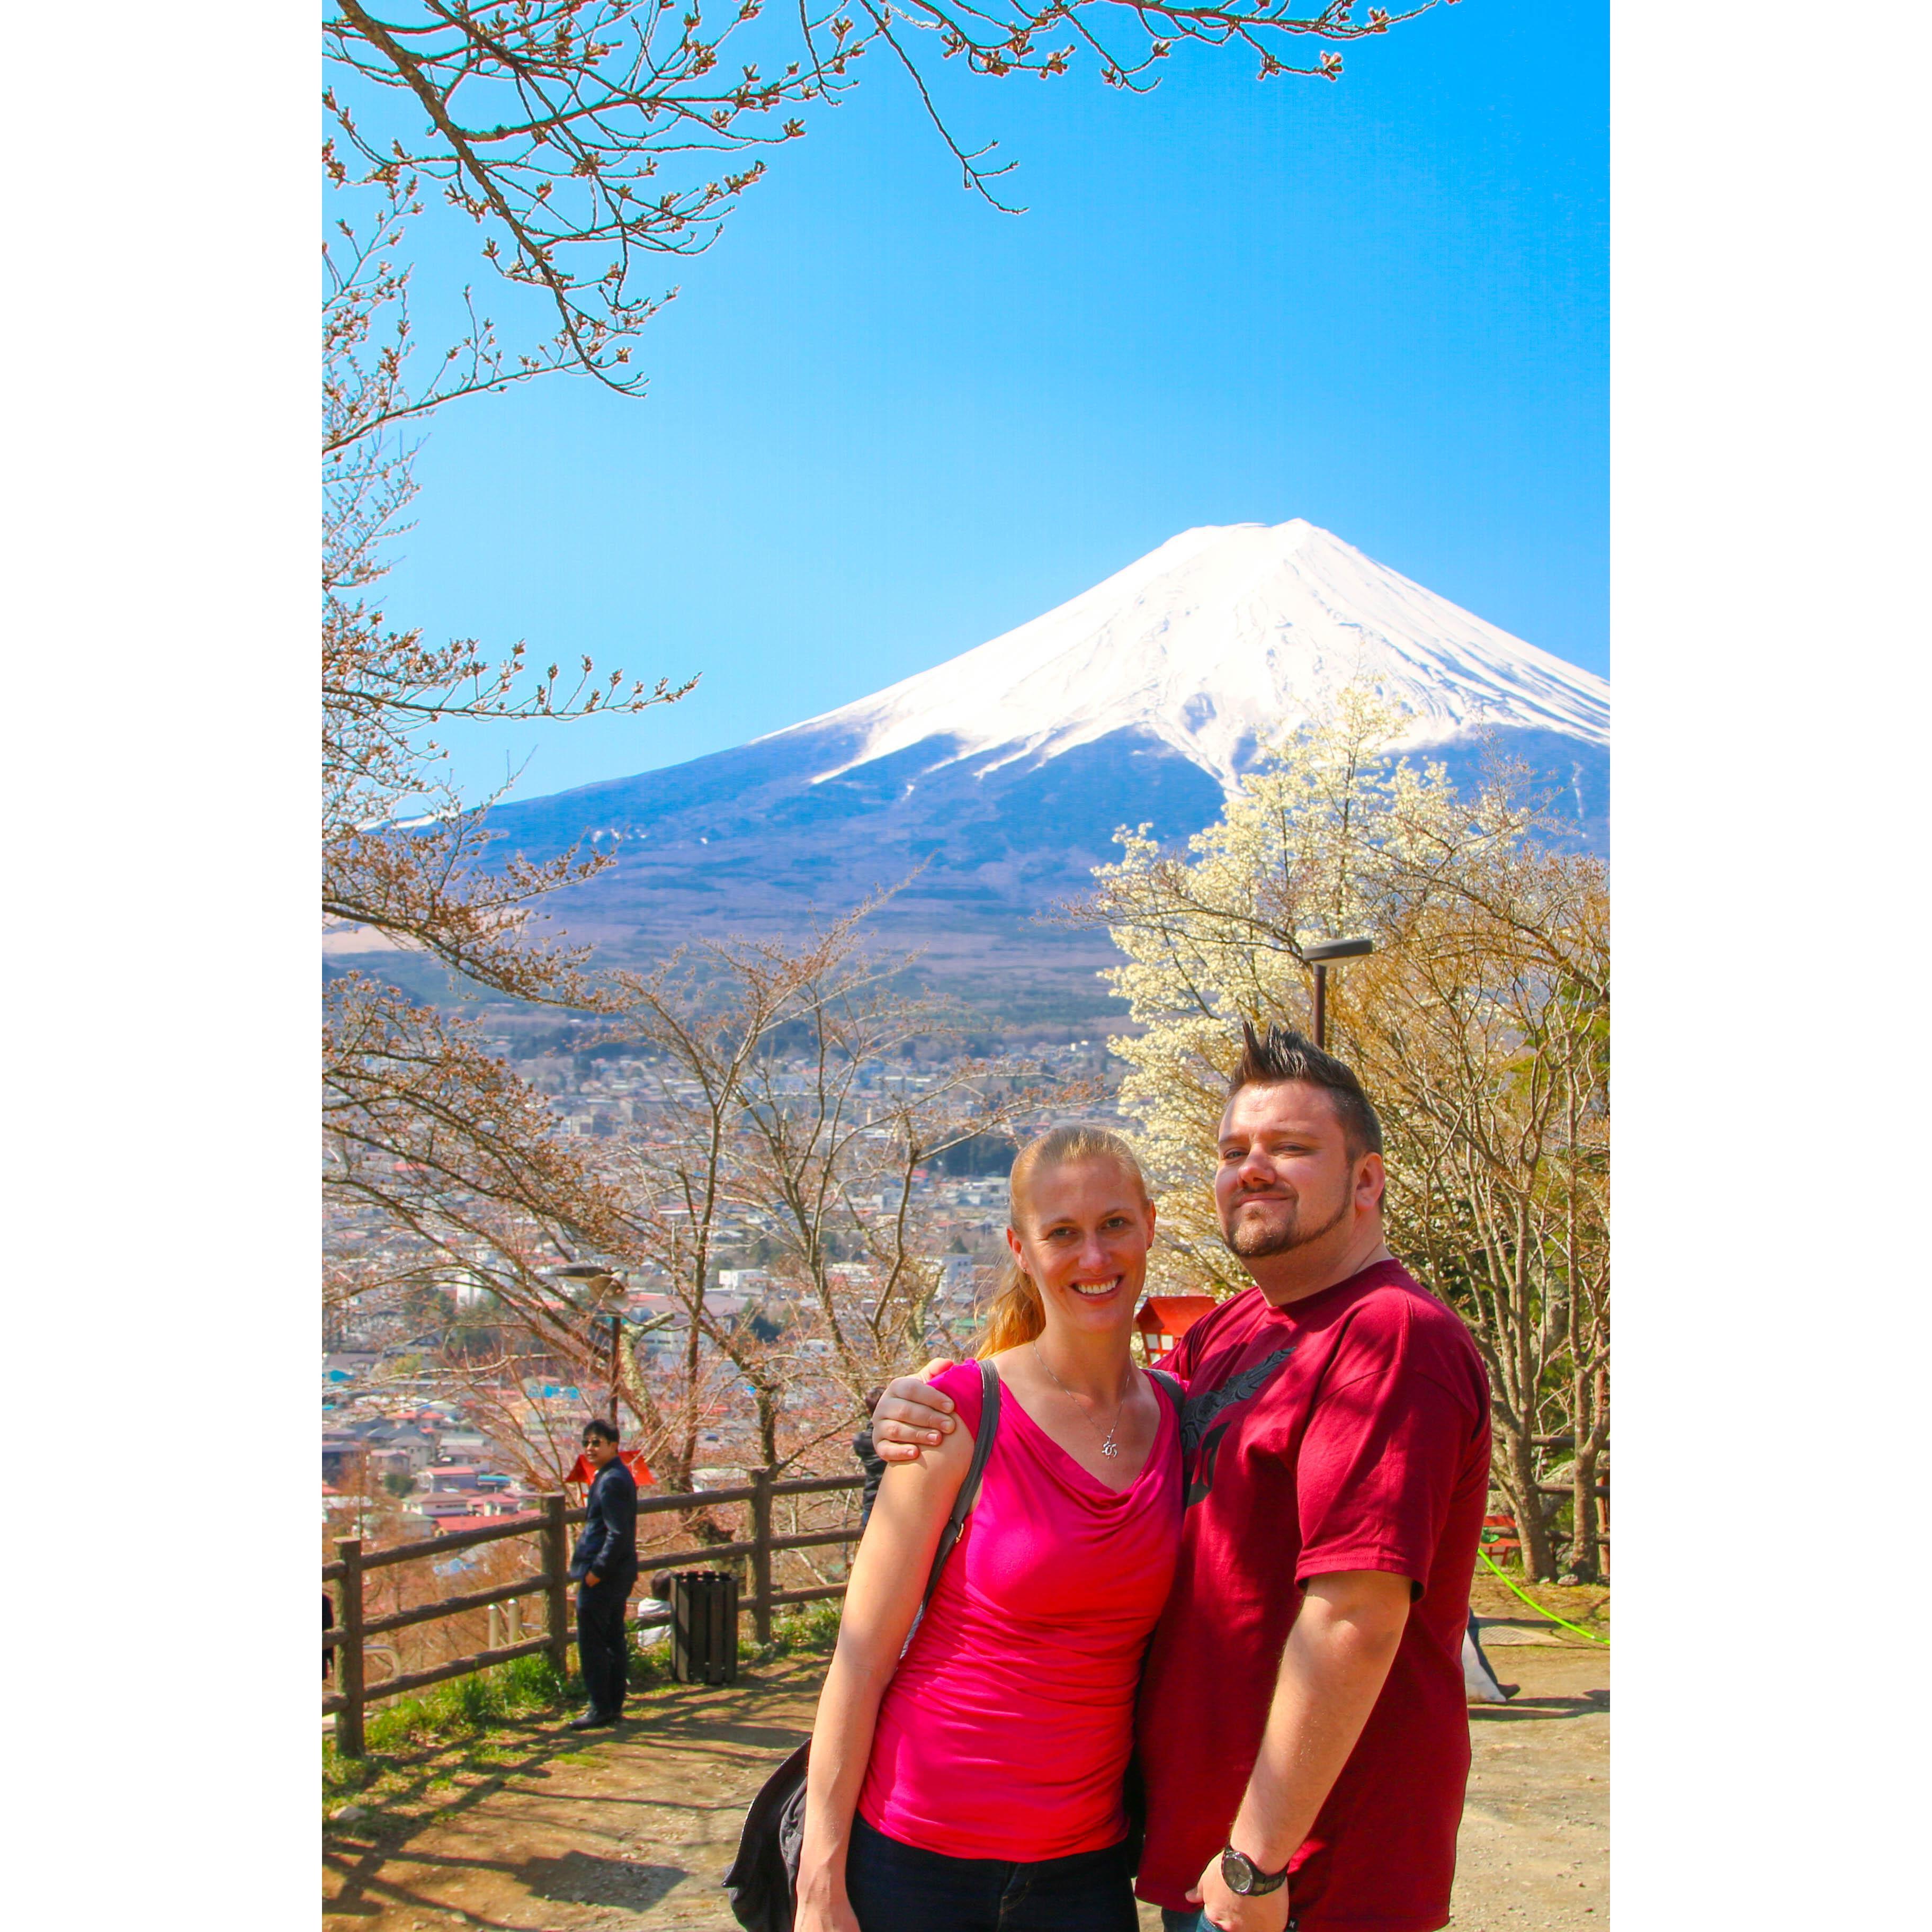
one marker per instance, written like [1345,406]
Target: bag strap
[962,1504]
[1169,1383]
[956,1520]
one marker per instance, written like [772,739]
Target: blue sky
[886,422]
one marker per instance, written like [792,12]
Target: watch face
[1236,1872]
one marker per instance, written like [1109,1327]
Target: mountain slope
[1003,772]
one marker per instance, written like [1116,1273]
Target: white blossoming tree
[1480,1026]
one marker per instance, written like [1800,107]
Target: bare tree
[701,1030]
[782,1117]
[1483,1032]
[836,1144]
[421,1124]
[585,138]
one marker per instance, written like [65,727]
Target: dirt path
[1535,1848]
[634,1830]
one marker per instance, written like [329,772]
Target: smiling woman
[1081,1222]
[1017,1314]
[966,1764]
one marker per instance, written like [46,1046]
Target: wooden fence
[354,1629]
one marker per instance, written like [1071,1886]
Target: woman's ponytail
[1016,1315]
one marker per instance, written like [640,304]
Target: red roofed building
[1162,1319]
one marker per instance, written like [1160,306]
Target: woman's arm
[888,1580]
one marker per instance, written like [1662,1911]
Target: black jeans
[898,1888]
[600,1639]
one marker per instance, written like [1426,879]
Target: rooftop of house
[1173,1314]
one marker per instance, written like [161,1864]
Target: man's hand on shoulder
[911,1417]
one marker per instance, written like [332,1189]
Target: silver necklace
[1109,1446]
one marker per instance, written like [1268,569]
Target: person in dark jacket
[605,1567]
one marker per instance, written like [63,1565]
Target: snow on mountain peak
[1223,636]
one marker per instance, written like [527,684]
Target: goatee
[1253,1240]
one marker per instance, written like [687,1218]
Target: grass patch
[810,1630]
[1586,1605]
[465,1705]
[456,1736]
[468,1714]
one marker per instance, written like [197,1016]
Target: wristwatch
[1242,1876]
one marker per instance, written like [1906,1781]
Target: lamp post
[599,1284]
[1320,955]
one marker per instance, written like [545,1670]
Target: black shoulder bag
[762,1882]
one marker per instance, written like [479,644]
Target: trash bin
[704,1627]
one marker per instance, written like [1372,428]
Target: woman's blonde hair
[1017,1314]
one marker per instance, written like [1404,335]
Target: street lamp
[599,1286]
[1320,956]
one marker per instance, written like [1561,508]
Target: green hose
[1587,1636]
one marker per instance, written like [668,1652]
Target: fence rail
[349,1637]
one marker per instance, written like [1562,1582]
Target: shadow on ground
[577,1879]
[1526,1708]
[539,1830]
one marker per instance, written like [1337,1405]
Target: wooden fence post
[751,1557]
[761,1554]
[349,1649]
[556,1569]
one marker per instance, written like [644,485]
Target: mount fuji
[1005,771]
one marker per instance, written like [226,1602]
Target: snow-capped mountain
[1220,637]
[999,776]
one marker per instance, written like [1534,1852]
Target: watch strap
[1260,1883]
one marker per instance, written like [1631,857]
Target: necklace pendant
[1110,1447]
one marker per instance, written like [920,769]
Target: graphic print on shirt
[1198,1419]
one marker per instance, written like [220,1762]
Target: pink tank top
[1005,1732]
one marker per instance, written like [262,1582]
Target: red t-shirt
[1348,1431]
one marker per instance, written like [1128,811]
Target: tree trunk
[1516,1478]
[1583,1544]
[686,1456]
[1603,1433]
[768,1427]
[1590,1448]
